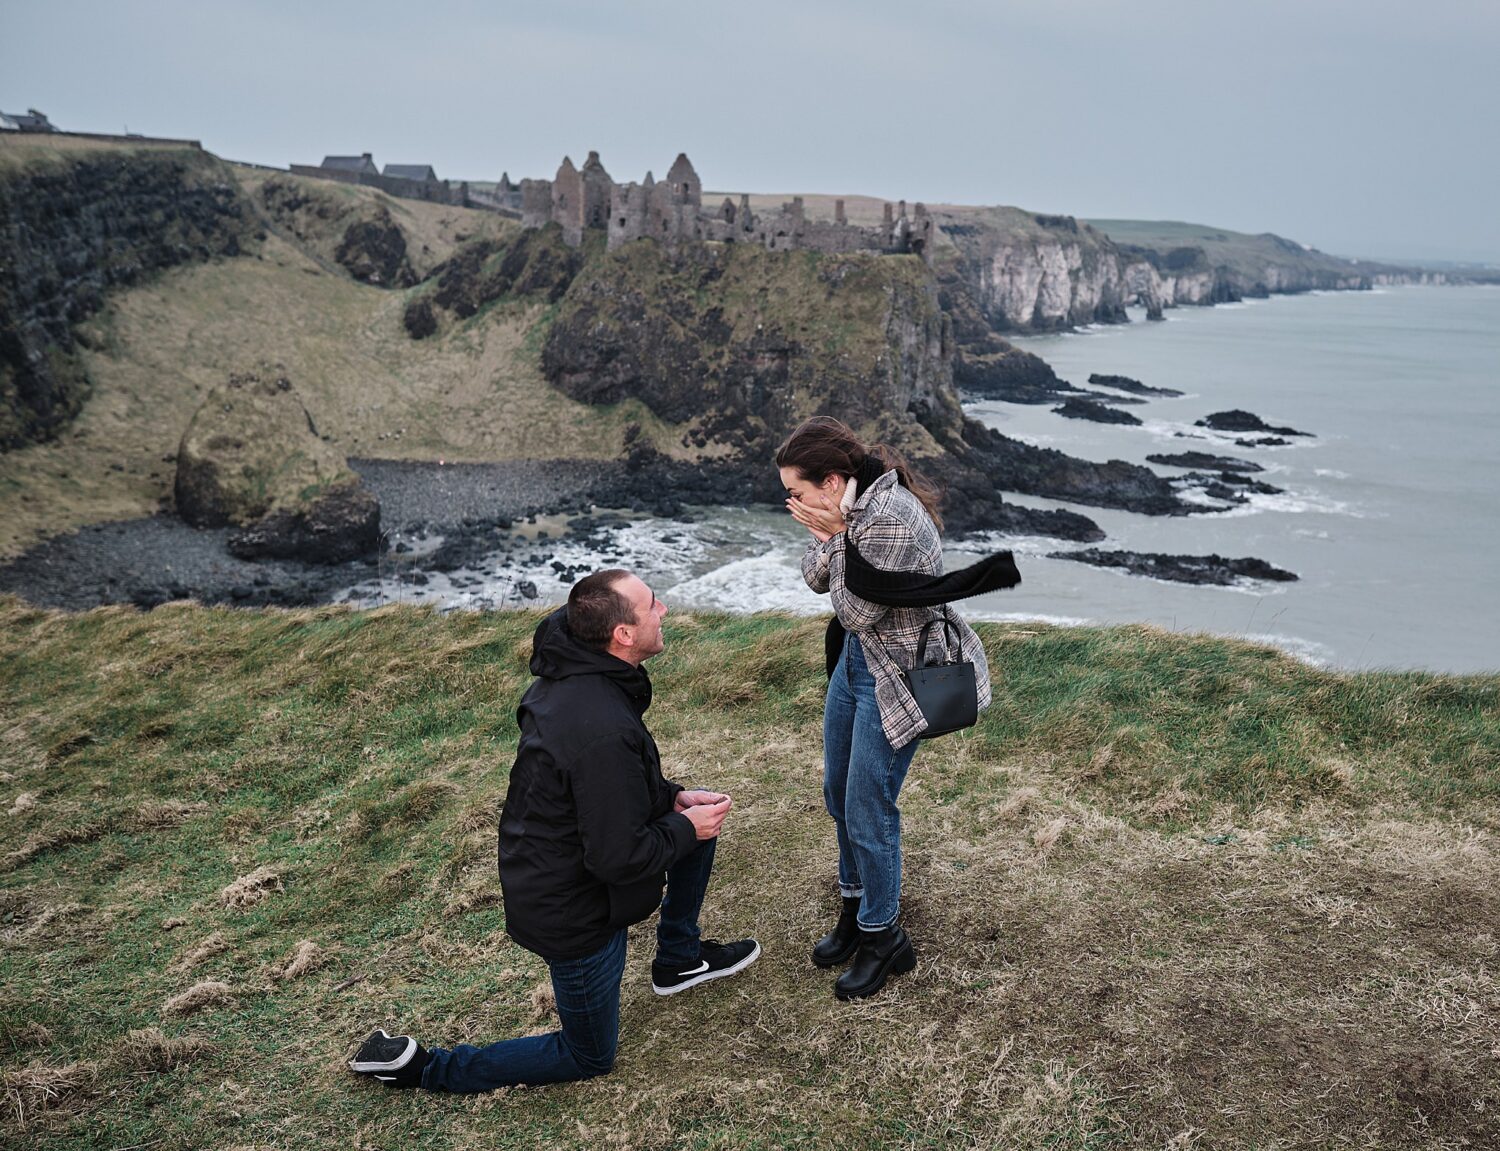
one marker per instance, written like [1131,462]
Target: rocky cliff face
[71,230]
[740,344]
[1028,273]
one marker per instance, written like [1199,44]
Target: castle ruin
[671,212]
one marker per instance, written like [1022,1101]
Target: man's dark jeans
[588,1002]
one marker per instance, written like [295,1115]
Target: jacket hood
[556,654]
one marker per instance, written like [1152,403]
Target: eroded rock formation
[252,457]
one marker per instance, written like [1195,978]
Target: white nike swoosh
[699,970]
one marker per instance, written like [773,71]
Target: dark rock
[1205,460]
[1209,569]
[373,251]
[1264,442]
[343,523]
[419,318]
[1019,467]
[1238,420]
[1079,409]
[1126,384]
[527,589]
[1012,375]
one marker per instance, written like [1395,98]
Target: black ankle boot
[881,954]
[839,944]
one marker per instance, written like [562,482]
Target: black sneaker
[715,960]
[397,1060]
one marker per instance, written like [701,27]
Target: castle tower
[598,191]
[687,189]
[536,203]
[838,212]
[567,202]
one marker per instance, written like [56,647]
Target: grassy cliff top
[22,150]
[1240,250]
[1172,891]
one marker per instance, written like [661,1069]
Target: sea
[1390,514]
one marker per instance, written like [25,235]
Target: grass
[1172,892]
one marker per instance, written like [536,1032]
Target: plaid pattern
[893,531]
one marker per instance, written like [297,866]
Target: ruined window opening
[622,221]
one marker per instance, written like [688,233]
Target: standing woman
[846,494]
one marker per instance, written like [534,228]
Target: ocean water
[1389,517]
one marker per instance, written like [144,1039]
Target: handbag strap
[947,621]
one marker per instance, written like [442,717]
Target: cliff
[75,224]
[1186,264]
[738,344]
[1026,272]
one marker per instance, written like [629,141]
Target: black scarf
[909,588]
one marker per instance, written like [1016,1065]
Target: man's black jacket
[588,830]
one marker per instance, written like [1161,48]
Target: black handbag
[946,693]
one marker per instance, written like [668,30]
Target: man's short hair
[596,608]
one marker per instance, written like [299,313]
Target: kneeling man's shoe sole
[715,961]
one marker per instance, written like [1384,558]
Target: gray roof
[30,121]
[351,163]
[410,171]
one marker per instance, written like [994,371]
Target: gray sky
[1363,127]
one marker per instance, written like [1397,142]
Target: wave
[1292,503]
[770,582]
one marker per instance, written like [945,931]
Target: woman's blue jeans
[587,991]
[862,778]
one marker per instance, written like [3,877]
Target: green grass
[1170,888]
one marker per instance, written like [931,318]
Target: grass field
[1172,892]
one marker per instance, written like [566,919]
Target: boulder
[252,458]
[341,524]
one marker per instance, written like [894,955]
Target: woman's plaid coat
[893,532]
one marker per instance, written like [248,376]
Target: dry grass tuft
[200,951]
[151,1050]
[1018,804]
[250,889]
[543,1002]
[39,845]
[482,815]
[305,957]
[209,993]
[23,802]
[158,815]
[31,1092]
[1046,838]
[1170,803]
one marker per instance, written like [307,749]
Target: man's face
[646,631]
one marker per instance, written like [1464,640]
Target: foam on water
[770,582]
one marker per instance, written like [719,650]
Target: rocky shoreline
[476,510]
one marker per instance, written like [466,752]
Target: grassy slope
[1171,888]
[472,393]
[1239,250]
[433,231]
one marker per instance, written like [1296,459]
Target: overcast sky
[1363,127]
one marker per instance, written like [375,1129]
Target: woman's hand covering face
[823,517]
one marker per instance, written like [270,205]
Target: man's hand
[824,521]
[706,818]
[687,799]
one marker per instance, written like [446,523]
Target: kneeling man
[589,835]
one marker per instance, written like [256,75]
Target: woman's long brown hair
[823,447]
